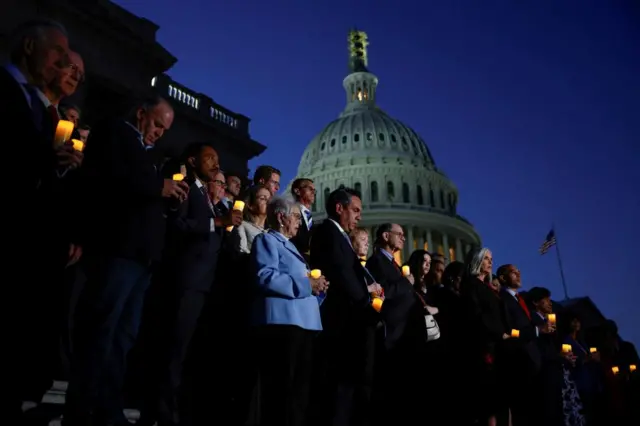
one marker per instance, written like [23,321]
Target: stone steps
[53,401]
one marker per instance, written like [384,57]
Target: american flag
[549,242]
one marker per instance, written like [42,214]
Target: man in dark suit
[189,264]
[38,52]
[521,358]
[122,234]
[304,192]
[348,319]
[404,330]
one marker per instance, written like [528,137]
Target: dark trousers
[109,313]
[285,373]
[166,338]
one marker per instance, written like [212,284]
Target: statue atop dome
[358,43]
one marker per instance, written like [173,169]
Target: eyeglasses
[75,70]
[310,188]
[219,182]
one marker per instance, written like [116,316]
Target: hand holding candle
[318,283]
[238,206]
[63,132]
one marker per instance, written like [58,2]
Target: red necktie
[54,116]
[523,304]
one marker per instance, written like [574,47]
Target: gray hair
[474,262]
[36,29]
[278,205]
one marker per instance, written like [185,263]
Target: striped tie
[307,214]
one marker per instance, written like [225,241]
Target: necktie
[209,201]
[37,107]
[55,117]
[523,304]
[307,214]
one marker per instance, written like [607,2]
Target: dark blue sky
[532,110]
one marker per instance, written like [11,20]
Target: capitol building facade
[389,163]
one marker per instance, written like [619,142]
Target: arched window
[420,197]
[390,190]
[358,187]
[405,192]
[374,192]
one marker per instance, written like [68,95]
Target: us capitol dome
[389,163]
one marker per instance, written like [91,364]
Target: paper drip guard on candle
[515,333]
[63,132]
[566,348]
[315,274]
[178,177]
[239,206]
[406,271]
[78,145]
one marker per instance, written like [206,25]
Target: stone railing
[200,105]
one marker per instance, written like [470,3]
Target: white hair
[474,262]
[278,205]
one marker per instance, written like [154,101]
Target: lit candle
[78,145]
[183,169]
[63,132]
[515,333]
[615,369]
[552,318]
[178,177]
[376,303]
[406,271]
[315,274]
[593,350]
[238,205]
[632,368]
[363,262]
[566,348]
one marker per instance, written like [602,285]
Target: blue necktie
[307,214]
[37,107]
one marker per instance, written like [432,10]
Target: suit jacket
[484,317]
[193,248]
[523,351]
[302,238]
[348,303]
[400,299]
[122,204]
[284,291]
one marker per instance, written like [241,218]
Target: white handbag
[431,325]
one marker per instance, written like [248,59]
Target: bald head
[154,116]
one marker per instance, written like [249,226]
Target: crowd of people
[202,298]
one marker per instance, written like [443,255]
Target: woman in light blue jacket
[286,310]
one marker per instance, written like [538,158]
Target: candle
[183,169]
[238,205]
[566,348]
[63,132]
[78,145]
[363,262]
[229,228]
[632,368]
[515,333]
[406,271]
[178,177]
[315,274]
[552,318]
[615,369]
[593,350]
[376,303]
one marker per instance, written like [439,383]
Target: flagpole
[564,282]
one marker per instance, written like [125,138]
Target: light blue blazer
[284,291]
